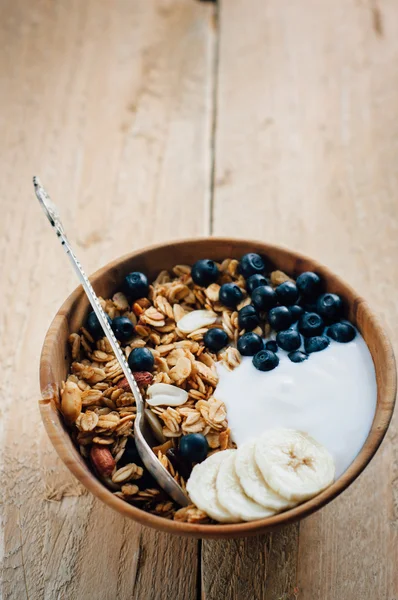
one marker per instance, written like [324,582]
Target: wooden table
[156,119]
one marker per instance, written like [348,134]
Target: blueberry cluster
[299,313]
[135,286]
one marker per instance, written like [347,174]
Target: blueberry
[280,318]
[93,325]
[141,359]
[250,343]
[289,340]
[265,360]
[204,272]
[296,311]
[135,285]
[329,306]
[230,295]
[311,324]
[341,332]
[248,318]
[122,328]
[309,284]
[297,356]
[272,346]
[287,293]
[183,467]
[250,264]
[264,297]
[215,339]
[316,343]
[194,447]
[254,281]
[308,306]
[130,454]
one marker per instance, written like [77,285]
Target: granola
[99,408]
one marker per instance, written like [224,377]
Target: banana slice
[201,487]
[293,464]
[253,483]
[231,496]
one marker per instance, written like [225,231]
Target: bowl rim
[70,455]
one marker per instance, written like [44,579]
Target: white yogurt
[332,396]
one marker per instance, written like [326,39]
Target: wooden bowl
[55,361]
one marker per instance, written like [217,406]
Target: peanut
[142,378]
[71,402]
[102,460]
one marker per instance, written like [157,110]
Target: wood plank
[110,104]
[306,131]
[258,567]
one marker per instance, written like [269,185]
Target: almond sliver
[195,320]
[164,394]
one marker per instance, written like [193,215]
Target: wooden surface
[150,121]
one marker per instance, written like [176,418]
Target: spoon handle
[52,214]
[155,467]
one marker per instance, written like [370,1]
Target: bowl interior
[55,361]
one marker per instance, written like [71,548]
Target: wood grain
[110,103]
[306,156]
[259,567]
